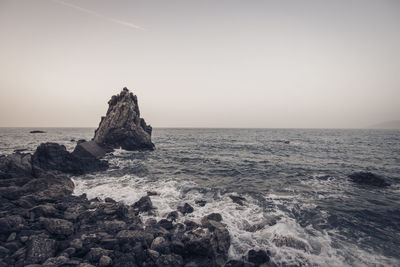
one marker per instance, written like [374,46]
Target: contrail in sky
[94,13]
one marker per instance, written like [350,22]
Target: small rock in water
[37,131]
[185,209]
[152,193]
[368,178]
[257,257]
[173,215]
[237,199]
[214,216]
[201,202]
[144,204]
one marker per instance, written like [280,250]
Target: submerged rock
[237,199]
[368,178]
[122,126]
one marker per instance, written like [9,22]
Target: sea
[299,203]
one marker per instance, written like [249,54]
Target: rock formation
[122,126]
[368,178]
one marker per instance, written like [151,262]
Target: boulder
[185,209]
[257,256]
[15,166]
[368,178]
[237,199]
[144,204]
[122,126]
[89,150]
[58,226]
[52,156]
[40,248]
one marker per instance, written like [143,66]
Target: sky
[256,64]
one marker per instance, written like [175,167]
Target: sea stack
[122,126]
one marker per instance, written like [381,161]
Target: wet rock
[58,226]
[152,193]
[201,203]
[257,256]
[166,224]
[238,199]
[235,263]
[289,241]
[45,210]
[36,131]
[190,225]
[214,216]
[185,209]
[173,216]
[122,125]
[113,226]
[109,200]
[40,248]
[368,178]
[4,251]
[144,204]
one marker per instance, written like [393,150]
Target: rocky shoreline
[43,224]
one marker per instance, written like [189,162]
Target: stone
[113,226]
[144,204]
[95,254]
[55,262]
[237,199]
[11,223]
[58,226]
[89,150]
[257,256]
[166,224]
[214,216]
[135,236]
[160,245]
[173,216]
[46,210]
[12,237]
[36,131]
[122,126]
[368,178]
[40,248]
[234,263]
[185,209]
[15,166]
[52,156]
[105,261]
[170,260]
[201,202]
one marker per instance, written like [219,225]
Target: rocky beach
[43,224]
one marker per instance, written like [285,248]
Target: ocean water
[299,204]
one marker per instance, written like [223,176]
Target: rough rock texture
[122,126]
[52,156]
[89,150]
[368,178]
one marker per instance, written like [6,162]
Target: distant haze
[272,64]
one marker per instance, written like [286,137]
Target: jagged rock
[368,178]
[15,166]
[257,257]
[237,199]
[185,209]
[52,156]
[122,126]
[88,150]
[144,204]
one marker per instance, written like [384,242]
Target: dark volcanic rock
[52,156]
[15,166]
[144,204]
[368,178]
[122,126]
[89,150]
[257,257]
[40,248]
[237,199]
[36,131]
[186,208]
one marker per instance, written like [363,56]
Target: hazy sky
[201,63]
